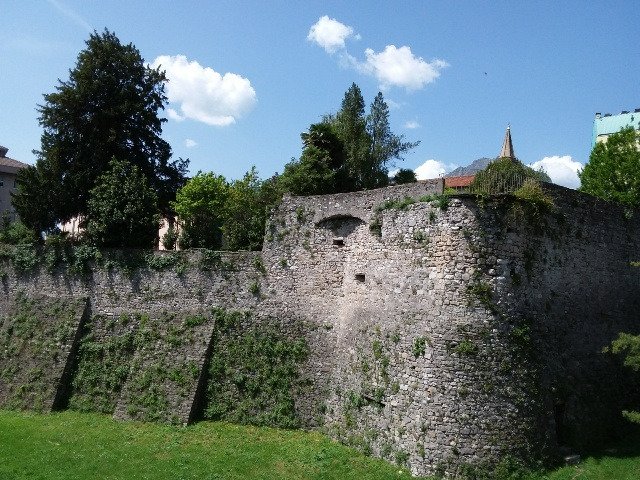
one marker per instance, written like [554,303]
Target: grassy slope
[72,446]
[620,463]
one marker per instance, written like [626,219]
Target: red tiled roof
[456,182]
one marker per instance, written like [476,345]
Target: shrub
[165,261]
[504,175]
[170,238]
[531,191]
[83,257]
[25,258]
[16,233]
[419,346]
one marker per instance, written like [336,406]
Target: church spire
[507,146]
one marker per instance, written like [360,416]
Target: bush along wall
[37,339]
[254,371]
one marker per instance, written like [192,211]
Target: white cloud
[330,34]
[173,115]
[203,94]
[432,169]
[392,67]
[189,143]
[399,67]
[411,124]
[562,170]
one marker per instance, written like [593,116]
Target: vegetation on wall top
[504,175]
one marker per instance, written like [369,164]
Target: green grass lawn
[621,462]
[70,445]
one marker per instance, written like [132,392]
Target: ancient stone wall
[141,349]
[440,333]
[461,333]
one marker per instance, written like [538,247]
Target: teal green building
[605,125]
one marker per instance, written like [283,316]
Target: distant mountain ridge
[471,169]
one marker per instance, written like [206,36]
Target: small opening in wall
[339,241]
[360,277]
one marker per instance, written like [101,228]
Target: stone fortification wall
[466,332]
[362,204]
[441,334]
[140,348]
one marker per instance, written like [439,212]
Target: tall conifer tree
[108,108]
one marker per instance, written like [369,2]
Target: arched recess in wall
[340,226]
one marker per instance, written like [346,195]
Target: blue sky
[249,76]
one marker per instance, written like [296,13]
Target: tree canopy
[405,175]
[347,151]
[214,213]
[201,208]
[613,170]
[108,108]
[505,175]
[321,164]
[123,209]
[247,207]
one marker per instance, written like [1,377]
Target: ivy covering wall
[36,337]
[254,372]
[104,361]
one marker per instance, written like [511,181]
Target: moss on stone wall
[253,375]
[36,336]
[164,372]
[104,361]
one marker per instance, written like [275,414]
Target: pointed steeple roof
[507,146]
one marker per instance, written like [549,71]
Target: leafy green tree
[323,136]
[613,170]
[170,238]
[405,175]
[201,208]
[347,151]
[321,165]
[122,208]
[38,190]
[244,224]
[384,145]
[108,108]
[351,127]
[216,214]
[311,175]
